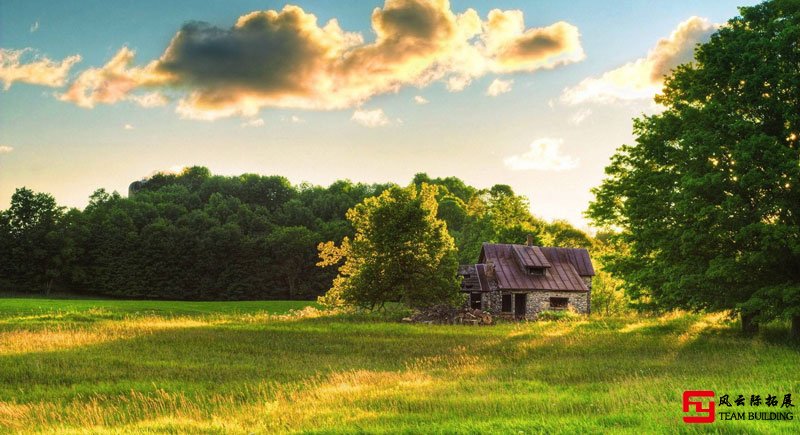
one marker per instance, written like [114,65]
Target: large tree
[34,251]
[400,252]
[708,200]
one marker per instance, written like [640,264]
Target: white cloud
[643,78]
[578,117]
[128,127]
[38,71]
[370,118]
[419,99]
[34,26]
[255,122]
[543,155]
[458,83]
[294,119]
[150,99]
[498,87]
[5,149]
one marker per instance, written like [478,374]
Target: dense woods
[199,236]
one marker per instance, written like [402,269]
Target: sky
[533,94]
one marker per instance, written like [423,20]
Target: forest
[199,236]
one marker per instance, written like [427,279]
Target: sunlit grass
[84,367]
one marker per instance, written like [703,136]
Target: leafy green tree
[708,200]
[34,247]
[400,252]
[498,216]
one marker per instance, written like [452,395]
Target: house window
[506,306]
[538,271]
[475,301]
[559,303]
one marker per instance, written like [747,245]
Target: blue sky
[548,129]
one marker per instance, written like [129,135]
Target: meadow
[108,366]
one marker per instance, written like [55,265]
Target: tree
[708,199]
[34,243]
[400,252]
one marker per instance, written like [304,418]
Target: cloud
[128,127]
[543,156]
[419,99]
[287,59]
[34,26]
[257,122]
[513,48]
[578,117]
[370,118]
[114,82]
[38,71]
[5,149]
[643,77]
[498,87]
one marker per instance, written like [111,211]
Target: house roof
[530,256]
[567,266]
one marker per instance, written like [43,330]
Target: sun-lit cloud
[115,81]
[370,118]
[5,149]
[287,59]
[544,155]
[513,48]
[419,99]
[643,77]
[256,122]
[499,86]
[38,70]
[127,127]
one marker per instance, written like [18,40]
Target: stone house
[520,281]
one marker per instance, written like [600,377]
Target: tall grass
[119,369]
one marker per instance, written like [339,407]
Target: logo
[705,413]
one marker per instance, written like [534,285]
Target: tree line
[198,236]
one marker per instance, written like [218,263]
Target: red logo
[708,410]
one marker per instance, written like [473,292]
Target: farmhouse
[520,281]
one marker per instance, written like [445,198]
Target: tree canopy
[401,251]
[707,200]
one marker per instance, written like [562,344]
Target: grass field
[242,367]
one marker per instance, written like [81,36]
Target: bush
[559,315]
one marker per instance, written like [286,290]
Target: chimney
[530,240]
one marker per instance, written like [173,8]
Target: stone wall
[535,302]
[578,301]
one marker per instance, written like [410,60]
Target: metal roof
[567,265]
[530,256]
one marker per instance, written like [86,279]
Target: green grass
[140,366]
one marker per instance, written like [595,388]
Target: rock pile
[445,315]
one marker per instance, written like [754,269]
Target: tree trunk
[795,331]
[749,325]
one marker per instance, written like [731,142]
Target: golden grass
[263,373]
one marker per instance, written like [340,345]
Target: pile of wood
[445,315]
